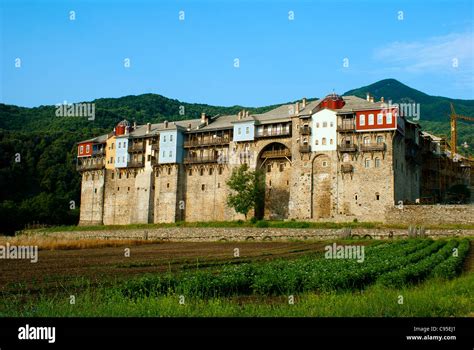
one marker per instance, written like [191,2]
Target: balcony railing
[136,147]
[305,148]
[203,159]
[305,130]
[91,166]
[135,164]
[281,153]
[347,147]
[207,142]
[99,152]
[273,133]
[373,146]
[346,126]
[347,168]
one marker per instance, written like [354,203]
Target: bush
[253,220]
[262,223]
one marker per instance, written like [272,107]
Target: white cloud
[434,54]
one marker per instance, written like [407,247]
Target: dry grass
[45,242]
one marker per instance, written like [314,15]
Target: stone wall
[193,234]
[430,214]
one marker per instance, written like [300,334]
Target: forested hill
[38,178]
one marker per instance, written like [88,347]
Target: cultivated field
[415,277]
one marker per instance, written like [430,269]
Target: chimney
[189,126]
[134,125]
[382,99]
[166,124]
[304,103]
[246,114]
[297,107]
[126,130]
[148,128]
[372,99]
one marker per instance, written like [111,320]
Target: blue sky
[193,60]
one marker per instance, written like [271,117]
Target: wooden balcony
[373,146]
[347,147]
[197,160]
[305,130]
[136,164]
[207,142]
[155,146]
[346,126]
[281,153]
[136,147]
[273,133]
[305,148]
[97,165]
[347,168]
[99,152]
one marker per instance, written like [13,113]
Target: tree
[249,190]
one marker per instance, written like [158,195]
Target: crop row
[394,264]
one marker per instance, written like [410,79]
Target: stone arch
[274,160]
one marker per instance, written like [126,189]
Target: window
[81,149]
[380,119]
[120,175]
[362,119]
[371,119]
[112,176]
[239,131]
[282,166]
[164,138]
[203,187]
[247,130]
[201,171]
[379,139]
[331,124]
[88,148]
[316,142]
[355,197]
[111,160]
[377,162]
[128,175]
[168,185]
[171,138]
[269,168]
[366,140]
[149,157]
[331,141]
[325,124]
[389,118]
[210,171]
[169,171]
[112,146]
[220,170]
[317,125]
[128,188]
[325,163]
[367,163]
[118,145]
[377,196]
[95,190]
[323,142]
[190,172]
[170,154]
[164,154]
[218,185]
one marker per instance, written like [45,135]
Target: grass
[44,242]
[433,298]
[261,223]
